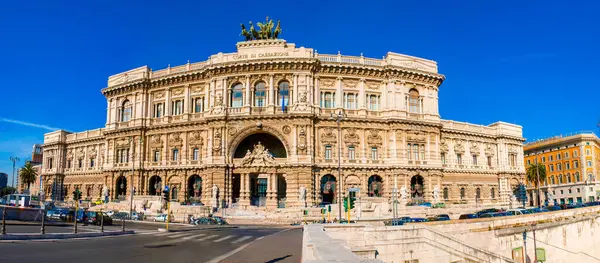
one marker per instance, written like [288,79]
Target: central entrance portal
[258,190]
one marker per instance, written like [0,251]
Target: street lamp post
[14,160]
[132,177]
[338,118]
[537,171]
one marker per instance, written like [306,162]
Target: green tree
[532,176]
[28,174]
[7,190]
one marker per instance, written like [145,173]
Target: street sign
[540,254]
[353,189]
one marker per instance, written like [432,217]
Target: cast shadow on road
[278,259]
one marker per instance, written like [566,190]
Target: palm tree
[28,174]
[532,176]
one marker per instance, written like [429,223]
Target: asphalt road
[189,244]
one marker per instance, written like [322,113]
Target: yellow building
[572,166]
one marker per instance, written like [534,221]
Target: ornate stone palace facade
[255,127]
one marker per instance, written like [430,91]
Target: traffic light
[352,199]
[76,195]
[166,195]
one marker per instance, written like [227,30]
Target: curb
[63,235]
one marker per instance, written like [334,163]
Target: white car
[162,218]
[109,213]
[518,211]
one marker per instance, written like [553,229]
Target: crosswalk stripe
[180,235]
[192,236]
[224,238]
[207,237]
[161,234]
[241,239]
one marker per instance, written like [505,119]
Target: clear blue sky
[533,63]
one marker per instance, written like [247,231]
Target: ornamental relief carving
[416,136]
[92,151]
[177,92]
[513,149]
[195,139]
[217,141]
[327,83]
[374,138]
[351,138]
[459,148]
[232,131]
[373,85]
[444,147]
[122,143]
[474,149]
[302,141]
[327,135]
[197,89]
[286,129]
[350,84]
[156,141]
[489,150]
[175,140]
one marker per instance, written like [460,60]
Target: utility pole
[338,118]
[132,176]
[14,160]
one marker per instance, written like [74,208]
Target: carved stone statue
[215,193]
[403,193]
[303,97]
[245,33]
[436,194]
[157,187]
[266,30]
[259,155]
[277,31]
[302,195]
[514,202]
[197,186]
[104,190]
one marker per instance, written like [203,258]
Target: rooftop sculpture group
[265,30]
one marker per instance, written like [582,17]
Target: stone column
[225,96]
[271,96]
[295,88]
[186,101]
[361,94]
[167,108]
[339,93]
[384,95]
[248,91]
[317,92]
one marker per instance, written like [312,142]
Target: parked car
[400,221]
[592,203]
[468,216]
[443,217]
[427,204]
[489,210]
[95,218]
[439,205]
[574,205]
[518,211]
[418,220]
[537,210]
[554,208]
[162,218]
[110,213]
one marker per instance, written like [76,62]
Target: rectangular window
[587,151]
[558,156]
[474,159]
[543,159]
[416,151]
[578,190]
[576,164]
[489,161]
[566,155]
[551,168]
[350,100]
[328,100]
[373,102]
[199,104]
[91,162]
[177,107]
[551,158]
[575,153]
[567,166]
[558,166]
[512,158]
[351,153]
[195,154]
[158,110]
[422,152]
[175,154]
[80,163]
[443,158]
[156,156]
[328,152]
[408,155]
[528,162]
[69,164]
[589,163]
[458,158]
[374,153]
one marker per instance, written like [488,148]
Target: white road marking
[221,257]
[224,238]
[180,235]
[193,236]
[161,234]
[241,239]
[207,237]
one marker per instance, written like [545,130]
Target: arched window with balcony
[237,95]
[414,101]
[260,94]
[125,111]
[283,93]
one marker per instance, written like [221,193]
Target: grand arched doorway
[416,187]
[375,186]
[328,188]
[155,185]
[194,186]
[121,186]
[267,141]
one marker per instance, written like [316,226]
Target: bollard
[102,223]
[43,230]
[4,221]
[123,224]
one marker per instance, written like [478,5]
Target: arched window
[175,154]
[283,93]
[174,193]
[493,193]
[126,111]
[590,177]
[237,96]
[577,177]
[351,153]
[446,194]
[552,181]
[568,177]
[560,179]
[260,94]
[462,193]
[414,101]
[327,152]
[478,193]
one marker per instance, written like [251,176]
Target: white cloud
[29,124]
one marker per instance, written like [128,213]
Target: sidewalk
[36,223]
[27,236]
